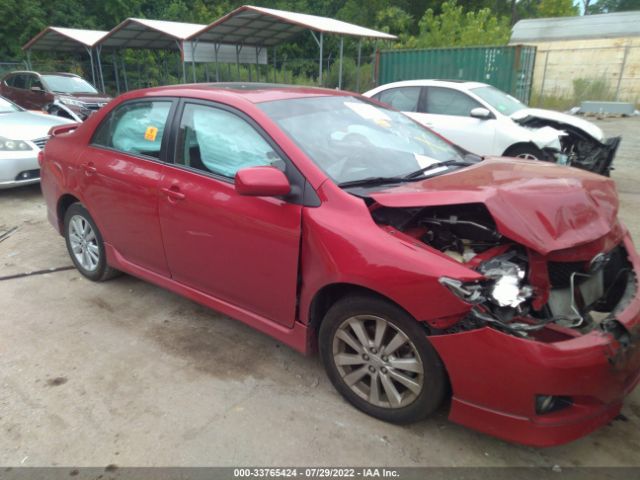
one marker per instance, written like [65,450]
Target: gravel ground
[129,374]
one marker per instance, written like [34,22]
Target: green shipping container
[509,68]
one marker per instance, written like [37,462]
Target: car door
[17,89]
[447,111]
[240,249]
[120,177]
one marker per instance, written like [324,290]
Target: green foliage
[557,8]
[609,6]
[454,27]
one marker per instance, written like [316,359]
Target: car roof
[252,92]
[62,74]
[458,84]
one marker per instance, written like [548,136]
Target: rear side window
[136,127]
[446,101]
[20,81]
[404,99]
[220,142]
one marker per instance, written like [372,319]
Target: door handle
[174,193]
[89,168]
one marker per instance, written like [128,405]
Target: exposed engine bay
[578,148]
[521,292]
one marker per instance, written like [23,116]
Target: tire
[85,245]
[527,152]
[346,360]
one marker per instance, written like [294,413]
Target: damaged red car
[424,275]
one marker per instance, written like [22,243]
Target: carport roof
[258,26]
[149,34]
[64,39]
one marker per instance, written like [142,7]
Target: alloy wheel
[378,361]
[84,243]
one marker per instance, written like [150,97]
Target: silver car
[22,135]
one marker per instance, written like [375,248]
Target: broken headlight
[503,286]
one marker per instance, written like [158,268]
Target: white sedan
[487,121]
[22,135]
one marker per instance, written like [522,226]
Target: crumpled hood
[558,117]
[545,207]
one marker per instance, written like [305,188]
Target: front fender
[342,244]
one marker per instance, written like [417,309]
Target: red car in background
[62,94]
[329,221]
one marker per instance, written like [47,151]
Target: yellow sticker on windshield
[150,134]
[383,122]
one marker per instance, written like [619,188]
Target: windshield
[505,104]
[7,107]
[351,140]
[62,84]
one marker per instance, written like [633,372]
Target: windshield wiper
[370,182]
[433,166]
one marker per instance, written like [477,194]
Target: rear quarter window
[135,127]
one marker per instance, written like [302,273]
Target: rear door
[239,249]
[120,177]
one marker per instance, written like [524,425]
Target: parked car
[62,94]
[487,121]
[22,135]
[326,220]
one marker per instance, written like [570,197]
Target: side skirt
[295,337]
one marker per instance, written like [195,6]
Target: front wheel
[527,152]
[85,245]
[379,358]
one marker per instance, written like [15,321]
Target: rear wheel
[379,358]
[85,245]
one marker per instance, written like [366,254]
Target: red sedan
[419,272]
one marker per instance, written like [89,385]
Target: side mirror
[37,90]
[480,113]
[262,182]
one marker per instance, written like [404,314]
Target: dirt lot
[129,374]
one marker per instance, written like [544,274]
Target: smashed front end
[550,344]
[578,147]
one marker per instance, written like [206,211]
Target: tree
[455,27]
[610,6]
[556,8]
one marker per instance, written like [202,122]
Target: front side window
[447,101]
[404,99]
[220,142]
[136,128]
[504,103]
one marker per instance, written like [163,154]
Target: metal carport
[141,33]
[66,40]
[261,27]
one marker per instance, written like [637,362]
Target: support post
[98,50]
[320,42]
[184,68]
[193,60]
[275,80]
[124,75]
[29,66]
[93,73]
[340,69]
[258,49]
[238,48]
[358,67]
[216,47]
[115,72]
